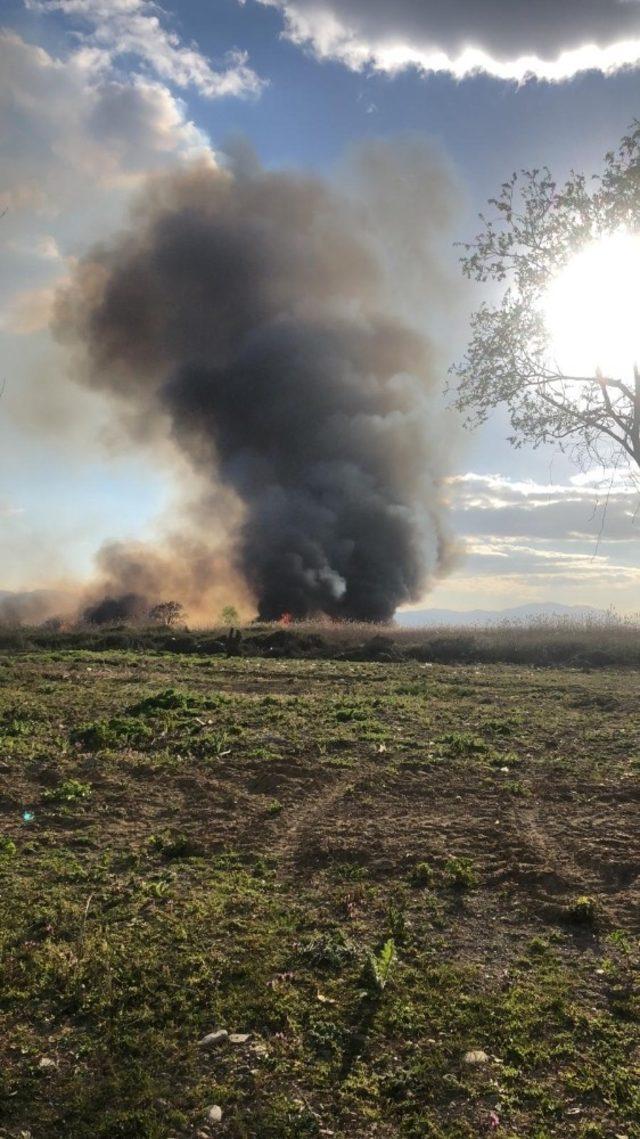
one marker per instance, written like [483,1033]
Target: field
[409,891]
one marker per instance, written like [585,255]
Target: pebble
[239,1037]
[476,1056]
[213,1038]
[214,1114]
[47,1065]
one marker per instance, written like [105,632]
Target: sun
[592,310]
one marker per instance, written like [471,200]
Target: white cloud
[66,131]
[136,28]
[510,39]
[523,541]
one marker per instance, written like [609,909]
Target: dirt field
[414,886]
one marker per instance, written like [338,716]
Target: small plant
[421,875]
[229,615]
[464,743]
[16,726]
[7,847]
[397,922]
[328,950]
[174,845]
[157,889]
[582,910]
[460,873]
[166,701]
[538,947]
[275,807]
[214,745]
[112,733]
[71,791]
[379,966]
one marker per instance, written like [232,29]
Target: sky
[95,95]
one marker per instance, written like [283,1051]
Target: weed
[463,744]
[582,910]
[422,874]
[168,700]
[102,734]
[380,966]
[330,951]
[460,873]
[7,847]
[397,922]
[71,791]
[174,845]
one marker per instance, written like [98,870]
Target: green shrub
[421,875]
[460,873]
[166,701]
[102,734]
[582,910]
[71,791]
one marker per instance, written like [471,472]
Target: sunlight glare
[592,309]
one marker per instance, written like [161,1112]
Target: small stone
[47,1065]
[214,1114]
[504,770]
[213,1038]
[476,1056]
[239,1037]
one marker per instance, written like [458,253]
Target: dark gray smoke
[245,308]
[116,610]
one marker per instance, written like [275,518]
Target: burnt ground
[371,868]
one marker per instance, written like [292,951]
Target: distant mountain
[537,611]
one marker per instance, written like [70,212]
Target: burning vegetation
[251,313]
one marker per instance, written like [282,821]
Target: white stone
[213,1038]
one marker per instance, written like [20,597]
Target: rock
[214,1114]
[239,1037]
[476,1056]
[47,1065]
[213,1038]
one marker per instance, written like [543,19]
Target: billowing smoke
[252,312]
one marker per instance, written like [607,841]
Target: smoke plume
[252,313]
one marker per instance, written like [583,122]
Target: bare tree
[535,229]
[167,613]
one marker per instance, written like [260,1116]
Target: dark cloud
[491,506]
[251,311]
[461,35]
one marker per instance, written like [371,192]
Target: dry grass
[580,644]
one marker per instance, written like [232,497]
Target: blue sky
[301,93]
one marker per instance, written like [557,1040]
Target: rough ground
[373,869]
